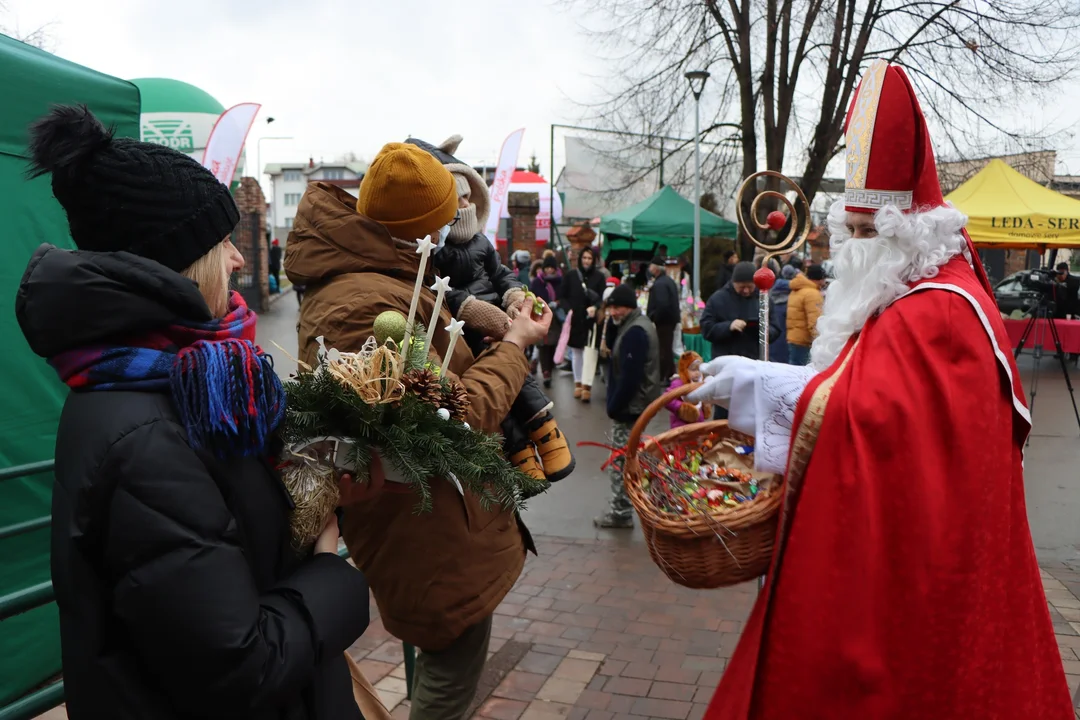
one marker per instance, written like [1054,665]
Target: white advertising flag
[227,139]
[508,157]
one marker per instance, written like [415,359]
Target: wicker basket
[698,552]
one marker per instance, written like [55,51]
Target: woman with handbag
[580,294]
[179,590]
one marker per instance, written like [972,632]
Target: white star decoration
[455,326]
[424,246]
[441,285]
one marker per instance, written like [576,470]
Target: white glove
[722,371]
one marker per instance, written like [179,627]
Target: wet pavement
[594,631]
[1052,460]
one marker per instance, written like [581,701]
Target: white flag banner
[227,139]
[508,158]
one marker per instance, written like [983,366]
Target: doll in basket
[683,412]
[485,296]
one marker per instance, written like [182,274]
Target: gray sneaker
[611,521]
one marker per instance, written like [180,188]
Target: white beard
[872,273]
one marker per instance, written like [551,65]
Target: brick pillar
[523,209]
[250,237]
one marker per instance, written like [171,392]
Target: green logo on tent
[176,134]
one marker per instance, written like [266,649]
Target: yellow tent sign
[1006,209]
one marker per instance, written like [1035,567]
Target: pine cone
[424,384]
[457,401]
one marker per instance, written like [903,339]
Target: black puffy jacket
[580,290]
[723,307]
[474,268]
[179,593]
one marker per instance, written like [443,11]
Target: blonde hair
[212,277]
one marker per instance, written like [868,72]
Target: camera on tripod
[1041,284]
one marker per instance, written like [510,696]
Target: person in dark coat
[635,383]
[581,293]
[730,320]
[486,296]
[180,592]
[778,306]
[663,310]
[723,276]
[545,285]
[274,262]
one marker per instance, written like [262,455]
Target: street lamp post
[697,79]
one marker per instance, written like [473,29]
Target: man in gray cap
[730,320]
[635,382]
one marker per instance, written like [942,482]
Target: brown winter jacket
[803,311]
[436,574]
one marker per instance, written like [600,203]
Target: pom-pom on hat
[122,194]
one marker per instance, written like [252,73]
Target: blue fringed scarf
[223,387]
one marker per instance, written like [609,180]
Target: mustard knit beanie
[408,191]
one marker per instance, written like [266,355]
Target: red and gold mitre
[890,160]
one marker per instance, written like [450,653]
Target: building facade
[289,181]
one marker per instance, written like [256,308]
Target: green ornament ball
[390,325]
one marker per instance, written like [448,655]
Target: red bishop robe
[905,584]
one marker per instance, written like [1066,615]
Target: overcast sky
[350,75]
[344,76]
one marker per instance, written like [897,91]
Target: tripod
[1044,311]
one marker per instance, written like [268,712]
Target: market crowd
[180,593]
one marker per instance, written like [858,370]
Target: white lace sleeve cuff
[777,390]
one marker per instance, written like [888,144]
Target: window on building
[288,223]
[292,198]
[294,176]
[334,174]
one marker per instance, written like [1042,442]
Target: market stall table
[1069,330]
[694,341]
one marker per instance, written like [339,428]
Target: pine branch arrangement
[405,427]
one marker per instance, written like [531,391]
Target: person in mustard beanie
[411,195]
[438,576]
[485,296]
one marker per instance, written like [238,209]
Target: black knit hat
[121,194]
[623,296]
[743,272]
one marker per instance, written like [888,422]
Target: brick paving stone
[666,709]
[612,667]
[672,691]
[560,690]
[628,686]
[576,669]
[520,685]
[502,709]
[621,704]
[643,671]
[600,715]
[634,644]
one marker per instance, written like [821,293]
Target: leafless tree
[784,71]
[41,37]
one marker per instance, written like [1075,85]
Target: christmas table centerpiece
[391,400]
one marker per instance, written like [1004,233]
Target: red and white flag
[508,158]
[227,139]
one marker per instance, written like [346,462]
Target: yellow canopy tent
[1006,209]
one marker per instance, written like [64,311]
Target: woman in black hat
[179,591]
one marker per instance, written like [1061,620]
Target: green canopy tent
[666,218]
[34,80]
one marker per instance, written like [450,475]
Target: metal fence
[249,281]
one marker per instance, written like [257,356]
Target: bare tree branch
[785,71]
